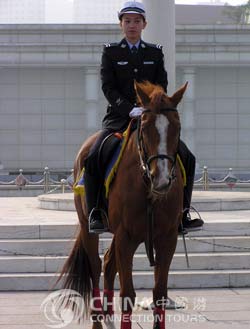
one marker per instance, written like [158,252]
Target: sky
[231,2]
[63,11]
[101,11]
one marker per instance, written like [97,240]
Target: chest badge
[122,63]
[148,62]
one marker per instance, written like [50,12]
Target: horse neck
[130,158]
[131,149]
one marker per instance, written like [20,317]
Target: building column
[188,115]
[92,97]
[161,29]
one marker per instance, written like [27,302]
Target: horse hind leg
[91,244]
[110,271]
[124,250]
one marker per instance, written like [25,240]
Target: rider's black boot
[188,223]
[96,214]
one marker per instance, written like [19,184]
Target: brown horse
[148,174]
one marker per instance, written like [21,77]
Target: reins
[145,162]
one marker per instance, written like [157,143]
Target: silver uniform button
[135,70]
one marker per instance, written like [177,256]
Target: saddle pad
[112,166]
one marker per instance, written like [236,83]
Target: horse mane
[148,88]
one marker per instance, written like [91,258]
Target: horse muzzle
[160,186]
[160,182]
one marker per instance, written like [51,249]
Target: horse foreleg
[110,271]
[164,248]
[124,250]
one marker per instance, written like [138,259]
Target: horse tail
[76,272]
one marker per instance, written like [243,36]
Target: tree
[239,14]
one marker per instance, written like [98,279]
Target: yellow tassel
[183,171]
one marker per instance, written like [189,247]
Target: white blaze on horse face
[162,124]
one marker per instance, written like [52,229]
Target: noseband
[146,160]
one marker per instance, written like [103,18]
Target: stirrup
[195,228]
[104,219]
[195,211]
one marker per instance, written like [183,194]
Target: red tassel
[126,320]
[97,304]
[159,317]
[108,296]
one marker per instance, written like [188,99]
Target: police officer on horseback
[122,63]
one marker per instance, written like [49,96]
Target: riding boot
[189,224]
[187,196]
[96,214]
[188,160]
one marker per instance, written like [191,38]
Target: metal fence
[229,181]
[205,181]
[46,183]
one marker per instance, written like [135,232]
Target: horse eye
[144,125]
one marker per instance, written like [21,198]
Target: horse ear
[177,96]
[143,97]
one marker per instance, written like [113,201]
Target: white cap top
[132,7]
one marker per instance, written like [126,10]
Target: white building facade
[51,100]
[22,11]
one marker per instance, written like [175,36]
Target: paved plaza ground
[204,308]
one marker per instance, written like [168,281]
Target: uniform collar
[125,44]
[131,45]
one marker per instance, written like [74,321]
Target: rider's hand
[136,112]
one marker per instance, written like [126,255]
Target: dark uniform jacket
[119,69]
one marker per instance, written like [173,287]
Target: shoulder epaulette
[158,46]
[108,45]
[154,45]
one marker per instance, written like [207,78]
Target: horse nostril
[162,184]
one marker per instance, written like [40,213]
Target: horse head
[158,134]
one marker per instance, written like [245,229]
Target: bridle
[146,160]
